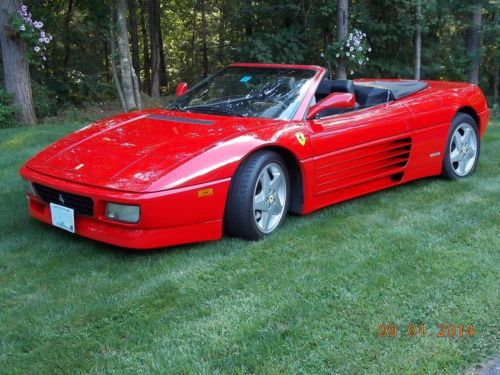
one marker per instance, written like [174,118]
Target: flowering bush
[354,48]
[31,31]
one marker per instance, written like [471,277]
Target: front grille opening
[81,204]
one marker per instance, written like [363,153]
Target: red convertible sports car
[241,149]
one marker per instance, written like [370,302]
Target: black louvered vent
[82,205]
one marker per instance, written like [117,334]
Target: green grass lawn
[308,300]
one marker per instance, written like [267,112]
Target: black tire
[451,169]
[240,217]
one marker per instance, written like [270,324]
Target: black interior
[367,94]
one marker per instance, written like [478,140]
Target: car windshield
[248,92]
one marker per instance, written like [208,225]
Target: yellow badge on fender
[301,138]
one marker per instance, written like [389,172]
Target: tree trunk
[155,48]
[204,37]
[163,63]
[248,18]
[15,64]
[473,43]
[496,81]
[222,32]
[134,37]
[145,47]
[418,40]
[116,78]
[496,72]
[67,34]
[124,51]
[342,29]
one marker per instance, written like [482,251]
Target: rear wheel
[259,197]
[462,149]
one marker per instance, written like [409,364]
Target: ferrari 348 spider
[239,150]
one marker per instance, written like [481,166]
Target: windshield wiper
[175,105]
[222,111]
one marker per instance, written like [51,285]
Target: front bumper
[168,218]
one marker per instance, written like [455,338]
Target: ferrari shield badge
[301,138]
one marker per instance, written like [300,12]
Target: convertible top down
[240,149]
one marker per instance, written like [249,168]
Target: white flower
[360,62]
[38,24]
[351,49]
[24,8]
[348,54]
[347,44]
[360,49]
[41,40]
[367,59]
[364,34]
[352,72]
[47,40]
[37,49]
[369,49]
[337,55]
[44,58]
[23,27]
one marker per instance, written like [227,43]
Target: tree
[129,92]
[146,55]
[15,63]
[134,36]
[418,39]
[342,29]
[473,43]
[204,37]
[154,27]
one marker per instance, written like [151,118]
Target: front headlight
[123,212]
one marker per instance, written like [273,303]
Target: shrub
[7,110]
[44,100]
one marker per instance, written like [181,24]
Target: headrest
[327,86]
[342,85]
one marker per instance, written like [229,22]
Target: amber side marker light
[205,193]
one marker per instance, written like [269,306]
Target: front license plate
[63,217]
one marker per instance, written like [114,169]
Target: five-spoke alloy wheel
[462,149]
[259,196]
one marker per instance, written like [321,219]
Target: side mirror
[181,88]
[340,100]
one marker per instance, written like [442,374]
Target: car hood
[130,152]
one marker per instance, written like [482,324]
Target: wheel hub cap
[463,149]
[269,199]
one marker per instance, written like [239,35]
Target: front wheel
[462,148]
[259,197]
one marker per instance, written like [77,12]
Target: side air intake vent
[362,165]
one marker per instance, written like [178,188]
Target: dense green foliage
[78,67]
[7,110]
[307,300]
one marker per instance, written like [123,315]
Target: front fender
[222,160]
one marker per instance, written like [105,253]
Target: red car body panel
[178,166]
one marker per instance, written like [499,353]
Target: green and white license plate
[63,217]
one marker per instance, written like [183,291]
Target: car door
[363,148]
